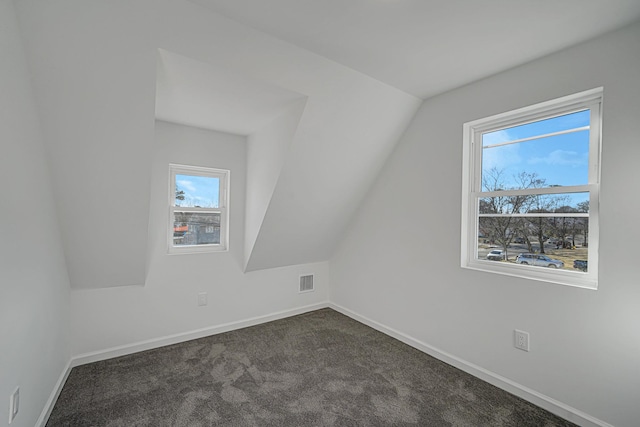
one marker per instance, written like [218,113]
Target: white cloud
[501,157]
[562,158]
[495,137]
[186,184]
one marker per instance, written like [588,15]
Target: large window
[198,209]
[531,190]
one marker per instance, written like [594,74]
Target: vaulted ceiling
[322,90]
[425,47]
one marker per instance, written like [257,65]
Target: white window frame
[472,187]
[223,208]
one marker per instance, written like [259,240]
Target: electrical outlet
[202,299]
[522,340]
[14,404]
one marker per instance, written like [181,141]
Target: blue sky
[199,191]
[560,160]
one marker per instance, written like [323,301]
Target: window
[531,190]
[198,209]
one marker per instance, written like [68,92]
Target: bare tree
[179,194]
[541,204]
[563,226]
[502,229]
[583,223]
[502,226]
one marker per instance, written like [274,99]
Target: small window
[198,209]
[531,184]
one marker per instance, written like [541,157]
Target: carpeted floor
[317,369]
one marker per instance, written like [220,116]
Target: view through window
[198,212]
[533,179]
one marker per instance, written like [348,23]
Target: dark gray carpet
[316,369]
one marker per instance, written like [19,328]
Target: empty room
[322,213]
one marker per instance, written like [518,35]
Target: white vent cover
[306,283]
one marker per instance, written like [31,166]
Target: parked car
[538,260]
[580,264]
[496,255]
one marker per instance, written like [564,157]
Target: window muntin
[198,211]
[578,120]
[531,185]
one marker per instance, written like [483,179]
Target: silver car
[496,255]
[539,260]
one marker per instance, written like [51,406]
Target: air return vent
[306,283]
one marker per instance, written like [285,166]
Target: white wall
[93,65]
[34,287]
[266,153]
[95,87]
[167,304]
[399,264]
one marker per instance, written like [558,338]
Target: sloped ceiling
[425,47]
[301,190]
[345,134]
[94,67]
[195,93]
[319,125]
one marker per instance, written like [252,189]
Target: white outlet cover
[202,299]
[14,404]
[521,340]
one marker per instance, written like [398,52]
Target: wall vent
[306,283]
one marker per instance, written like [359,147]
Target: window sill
[199,249]
[562,277]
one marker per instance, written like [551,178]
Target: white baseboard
[123,350]
[53,397]
[565,411]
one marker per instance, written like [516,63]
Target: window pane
[559,160]
[550,242]
[197,191]
[535,203]
[541,127]
[191,228]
